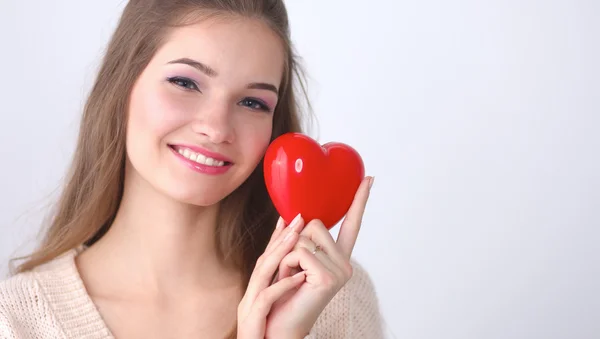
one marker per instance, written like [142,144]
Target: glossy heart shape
[317,181]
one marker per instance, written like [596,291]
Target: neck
[160,246]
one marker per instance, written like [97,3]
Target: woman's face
[201,113]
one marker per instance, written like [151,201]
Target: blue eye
[255,104]
[184,83]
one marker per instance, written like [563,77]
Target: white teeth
[200,158]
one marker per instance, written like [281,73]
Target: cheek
[256,139]
[155,112]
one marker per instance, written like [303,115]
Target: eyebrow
[212,73]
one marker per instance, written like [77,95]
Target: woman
[164,228]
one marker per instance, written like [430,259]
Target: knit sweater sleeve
[10,297]
[24,312]
[5,329]
[354,311]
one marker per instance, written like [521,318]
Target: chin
[208,195]
[205,190]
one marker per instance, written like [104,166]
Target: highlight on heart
[317,181]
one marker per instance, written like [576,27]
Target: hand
[327,271]
[260,294]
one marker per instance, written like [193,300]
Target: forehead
[240,48]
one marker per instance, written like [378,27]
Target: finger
[316,231]
[262,305]
[297,224]
[286,270]
[321,254]
[266,265]
[264,301]
[316,265]
[279,228]
[352,222]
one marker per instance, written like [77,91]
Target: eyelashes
[187,84]
[256,104]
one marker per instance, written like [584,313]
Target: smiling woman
[206,103]
[164,227]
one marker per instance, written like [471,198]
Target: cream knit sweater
[51,302]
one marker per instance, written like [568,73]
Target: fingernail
[279,223]
[371,181]
[296,222]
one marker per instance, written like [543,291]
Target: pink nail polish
[279,223]
[296,222]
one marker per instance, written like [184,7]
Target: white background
[479,120]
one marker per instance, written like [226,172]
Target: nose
[214,121]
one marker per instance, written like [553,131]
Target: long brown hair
[94,186]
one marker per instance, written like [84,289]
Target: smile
[200,158]
[204,163]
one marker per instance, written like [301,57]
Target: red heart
[317,181]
